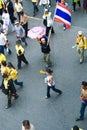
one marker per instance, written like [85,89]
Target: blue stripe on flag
[63,15]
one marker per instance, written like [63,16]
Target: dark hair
[4,10]
[5,76]
[84,83]
[75,127]
[26,122]
[4,63]
[22,13]
[16,1]
[49,71]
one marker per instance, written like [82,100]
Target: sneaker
[81,62]
[21,84]
[64,28]
[59,93]
[79,119]
[16,96]
[8,106]
[46,97]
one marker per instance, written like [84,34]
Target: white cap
[16,22]
[80,32]
[42,39]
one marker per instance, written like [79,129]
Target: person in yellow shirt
[81,45]
[20,54]
[14,74]
[2,57]
[4,68]
[8,89]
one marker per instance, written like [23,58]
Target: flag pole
[49,36]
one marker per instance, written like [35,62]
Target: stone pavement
[56,113]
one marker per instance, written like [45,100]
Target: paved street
[58,112]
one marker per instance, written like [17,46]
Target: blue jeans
[18,83]
[82,110]
[2,49]
[53,88]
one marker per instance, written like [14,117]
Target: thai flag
[63,14]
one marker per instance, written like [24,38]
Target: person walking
[24,22]
[20,54]
[45,48]
[85,6]
[83,98]
[26,125]
[81,45]
[20,32]
[44,3]
[14,74]
[6,22]
[18,8]
[2,5]
[50,83]
[74,4]
[35,8]
[8,89]
[4,68]
[2,58]
[4,43]
[48,22]
[66,4]
[10,9]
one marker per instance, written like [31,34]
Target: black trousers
[25,26]
[20,59]
[35,7]
[54,89]
[19,13]
[48,29]
[74,5]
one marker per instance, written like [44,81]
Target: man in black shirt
[45,49]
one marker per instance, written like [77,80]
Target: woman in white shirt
[50,83]
[18,8]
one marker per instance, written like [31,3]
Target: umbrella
[36,32]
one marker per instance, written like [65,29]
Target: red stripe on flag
[61,21]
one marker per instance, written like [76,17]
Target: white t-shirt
[79,129]
[2,39]
[47,80]
[31,127]
[18,7]
[6,19]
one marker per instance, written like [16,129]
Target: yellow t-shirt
[82,41]
[1,4]
[2,58]
[6,83]
[5,70]
[13,74]
[19,47]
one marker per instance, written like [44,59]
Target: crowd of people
[9,72]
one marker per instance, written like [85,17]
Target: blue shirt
[19,30]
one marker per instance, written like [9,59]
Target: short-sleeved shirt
[3,39]
[19,30]
[18,7]
[31,127]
